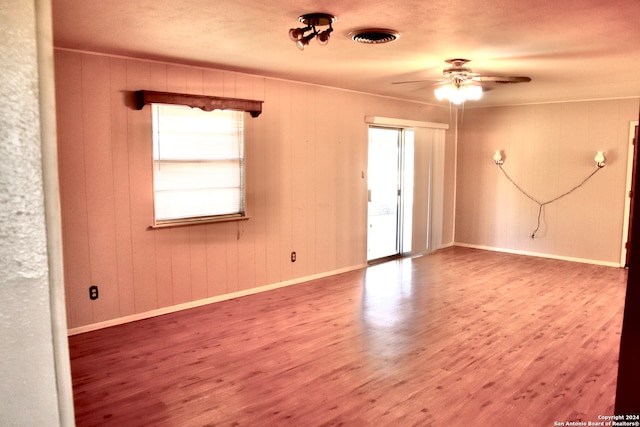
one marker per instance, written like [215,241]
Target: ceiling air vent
[374,36]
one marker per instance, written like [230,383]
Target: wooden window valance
[204,102]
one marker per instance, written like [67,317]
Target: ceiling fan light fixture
[460,83]
[458,94]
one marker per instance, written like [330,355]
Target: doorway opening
[630,190]
[390,184]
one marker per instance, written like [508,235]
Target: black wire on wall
[541,205]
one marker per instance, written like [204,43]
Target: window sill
[196,221]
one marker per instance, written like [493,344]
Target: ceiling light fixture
[302,36]
[458,91]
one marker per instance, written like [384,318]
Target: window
[198,165]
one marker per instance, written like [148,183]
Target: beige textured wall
[35,389]
[549,149]
[305,157]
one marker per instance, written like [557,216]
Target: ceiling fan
[459,83]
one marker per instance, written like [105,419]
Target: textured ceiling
[572,49]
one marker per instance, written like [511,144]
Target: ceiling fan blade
[504,79]
[414,81]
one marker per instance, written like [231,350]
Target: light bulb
[442,92]
[458,94]
[599,159]
[304,41]
[323,37]
[473,92]
[295,34]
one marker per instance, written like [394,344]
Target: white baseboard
[540,255]
[446,245]
[422,253]
[201,302]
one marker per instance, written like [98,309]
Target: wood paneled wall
[306,154]
[549,149]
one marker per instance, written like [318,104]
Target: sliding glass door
[390,192]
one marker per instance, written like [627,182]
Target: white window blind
[198,164]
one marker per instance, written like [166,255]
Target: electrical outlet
[293,257]
[93,292]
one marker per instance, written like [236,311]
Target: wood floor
[459,337]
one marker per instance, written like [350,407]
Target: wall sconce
[302,36]
[498,158]
[599,159]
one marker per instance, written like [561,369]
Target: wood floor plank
[459,337]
